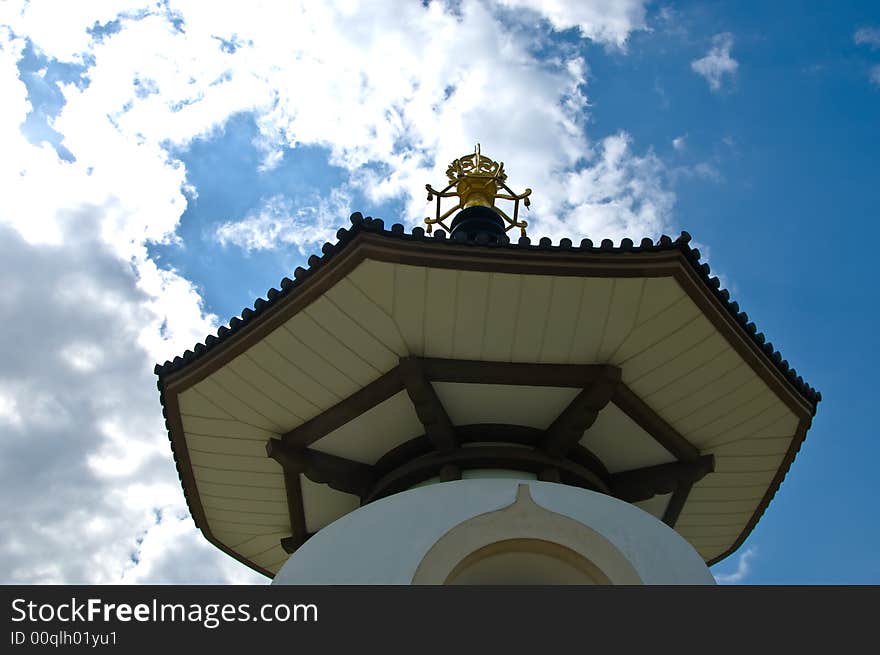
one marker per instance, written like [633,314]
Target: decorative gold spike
[476,180]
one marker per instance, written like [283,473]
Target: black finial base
[476,221]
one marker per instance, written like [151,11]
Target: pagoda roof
[672,261]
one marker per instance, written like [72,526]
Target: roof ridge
[360,223]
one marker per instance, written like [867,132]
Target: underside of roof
[622,369]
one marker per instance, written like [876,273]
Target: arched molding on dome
[526,562]
[525,526]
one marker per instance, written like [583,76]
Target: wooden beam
[296,511]
[338,472]
[676,503]
[489,432]
[495,433]
[653,424]
[291,544]
[449,472]
[516,373]
[403,453]
[344,411]
[579,454]
[478,456]
[550,475]
[478,432]
[581,413]
[643,483]
[429,409]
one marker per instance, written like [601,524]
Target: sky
[163,164]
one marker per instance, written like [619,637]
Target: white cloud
[717,63]
[869,36]
[277,223]
[350,78]
[93,311]
[619,194]
[85,459]
[166,552]
[743,568]
[704,170]
[61,29]
[605,21]
[9,411]
[680,142]
[83,357]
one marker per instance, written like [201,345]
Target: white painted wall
[384,542]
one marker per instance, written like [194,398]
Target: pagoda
[456,405]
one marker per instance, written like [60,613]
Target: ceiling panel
[372,434]
[501,403]
[621,443]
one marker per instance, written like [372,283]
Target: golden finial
[476,180]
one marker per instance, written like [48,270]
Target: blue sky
[182,161]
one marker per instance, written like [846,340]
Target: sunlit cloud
[743,568]
[717,65]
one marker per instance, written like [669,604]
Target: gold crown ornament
[476,181]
